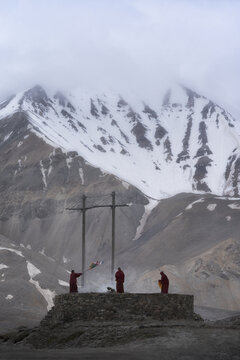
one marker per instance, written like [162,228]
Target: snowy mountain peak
[186,143]
[35,95]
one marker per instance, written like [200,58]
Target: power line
[83,209]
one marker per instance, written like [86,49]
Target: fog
[134,45]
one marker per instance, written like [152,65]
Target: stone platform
[108,319]
[119,307]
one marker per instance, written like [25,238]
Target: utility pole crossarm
[97,206]
[83,209]
[74,209]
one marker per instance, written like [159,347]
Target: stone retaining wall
[120,307]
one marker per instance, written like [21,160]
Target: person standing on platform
[73,281]
[119,277]
[164,283]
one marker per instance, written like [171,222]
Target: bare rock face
[195,240]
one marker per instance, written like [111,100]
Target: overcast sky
[122,44]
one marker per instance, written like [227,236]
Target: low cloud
[134,45]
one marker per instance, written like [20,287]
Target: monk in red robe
[164,282]
[119,276]
[73,281]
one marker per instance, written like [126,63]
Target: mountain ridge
[187,144]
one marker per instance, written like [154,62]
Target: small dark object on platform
[110,290]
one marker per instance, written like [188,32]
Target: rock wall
[119,307]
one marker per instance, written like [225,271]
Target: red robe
[165,283]
[119,276]
[73,282]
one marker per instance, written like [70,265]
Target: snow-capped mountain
[186,143]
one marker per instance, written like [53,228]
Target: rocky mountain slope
[53,150]
[195,239]
[186,142]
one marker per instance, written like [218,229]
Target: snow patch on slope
[147,211]
[9,297]
[193,203]
[19,253]
[63,283]
[211,207]
[2,266]
[43,171]
[234,206]
[46,293]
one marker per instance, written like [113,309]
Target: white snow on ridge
[69,161]
[12,106]
[211,207]
[32,270]
[81,175]
[179,214]
[43,171]
[7,136]
[195,202]
[65,260]
[42,252]
[12,250]
[103,129]
[46,293]
[63,283]
[148,209]
[125,184]
[2,266]
[234,206]
[9,297]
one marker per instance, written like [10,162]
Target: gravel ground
[189,340]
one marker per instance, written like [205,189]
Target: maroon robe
[165,282]
[119,276]
[73,282]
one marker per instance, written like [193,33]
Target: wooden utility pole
[83,237]
[83,210]
[113,235]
